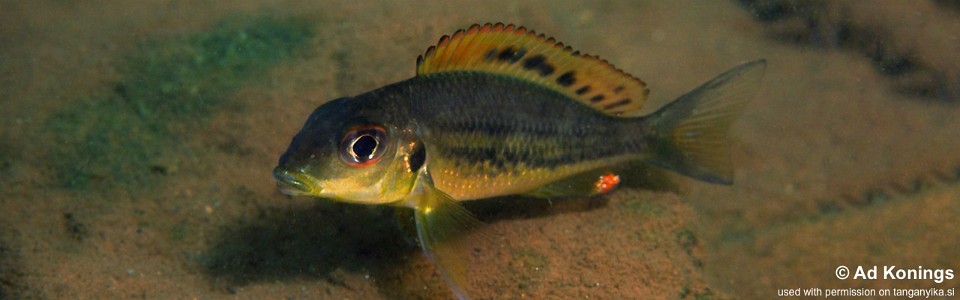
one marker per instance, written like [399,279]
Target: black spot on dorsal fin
[515,51]
[567,79]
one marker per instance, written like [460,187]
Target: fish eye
[362,146]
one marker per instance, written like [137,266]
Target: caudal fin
[691,132]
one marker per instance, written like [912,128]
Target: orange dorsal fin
[514,51]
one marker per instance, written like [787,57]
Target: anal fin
[635,174]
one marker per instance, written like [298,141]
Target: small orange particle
[607,182]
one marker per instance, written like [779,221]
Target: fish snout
[290,182]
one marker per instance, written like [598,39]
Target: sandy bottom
[116,183]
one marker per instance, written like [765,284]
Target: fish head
[346,152]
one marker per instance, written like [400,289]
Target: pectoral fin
[444,228]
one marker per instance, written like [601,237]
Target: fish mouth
[292,183]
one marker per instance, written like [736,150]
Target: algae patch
[168,86]
[530,266]
[643,206]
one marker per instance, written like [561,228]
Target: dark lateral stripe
[500,130]
[501,157]
[499,160]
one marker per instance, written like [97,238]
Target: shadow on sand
[314,242]
[306,242]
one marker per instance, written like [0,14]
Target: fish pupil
[364,147]
[361,145]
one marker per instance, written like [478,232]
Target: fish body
[496,110]
[488,135]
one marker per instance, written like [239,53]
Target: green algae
[188,78]
[686,239]
[125,135]
[529,266]
[530,260]
[644,206]
[178,232]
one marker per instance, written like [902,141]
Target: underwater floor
[137,140]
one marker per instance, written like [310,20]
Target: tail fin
[691,132]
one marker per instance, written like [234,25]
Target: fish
[497,109]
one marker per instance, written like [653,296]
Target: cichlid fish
[499,110]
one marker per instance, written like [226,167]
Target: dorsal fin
[517,52]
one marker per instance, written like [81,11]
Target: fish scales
[484,126]
[511,116]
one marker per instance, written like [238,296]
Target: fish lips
[292,183]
